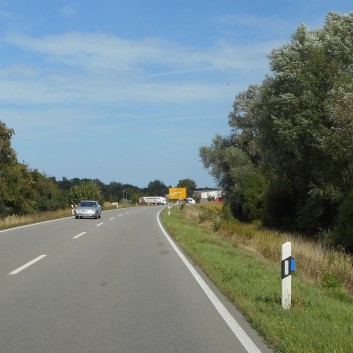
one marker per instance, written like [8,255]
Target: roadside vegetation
[27,194]
[18,221]
[288,157]
[243,260]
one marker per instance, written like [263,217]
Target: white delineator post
[286,275]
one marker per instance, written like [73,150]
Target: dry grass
[331,268]
[16,221]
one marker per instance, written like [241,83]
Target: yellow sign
[177,193]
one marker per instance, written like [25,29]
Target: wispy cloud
[5,14]
[67,11]
[260,26]
[100,52]
[91,67]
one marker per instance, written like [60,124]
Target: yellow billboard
[177,193]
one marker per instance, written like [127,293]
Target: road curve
[116,284]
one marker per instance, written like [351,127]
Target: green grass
[320,320]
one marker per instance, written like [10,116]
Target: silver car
[88,209]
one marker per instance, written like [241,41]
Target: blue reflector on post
[292,264]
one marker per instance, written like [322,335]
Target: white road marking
[244,339]
[27,265]
[99,224]
[79,235]
[111,218]
[120,215]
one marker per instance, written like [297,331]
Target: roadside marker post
[287,267]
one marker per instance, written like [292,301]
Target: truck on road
[152,200]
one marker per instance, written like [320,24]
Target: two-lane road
[115,284]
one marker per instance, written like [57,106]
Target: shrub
[216,224]
[344,230]
[202,217]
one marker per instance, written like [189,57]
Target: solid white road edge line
[78,235]
[244,339]
[27,265]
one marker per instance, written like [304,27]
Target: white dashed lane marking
[79,235]
[27,265]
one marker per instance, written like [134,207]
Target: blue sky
[128,91]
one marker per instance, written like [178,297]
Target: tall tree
[234,161]
[7,162]
[305,131]
[86,190]
[156,188]
[189,184]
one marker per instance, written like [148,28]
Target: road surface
[111,285]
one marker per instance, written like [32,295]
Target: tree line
[288,158]
[26,191]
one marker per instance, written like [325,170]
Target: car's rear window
[88,204]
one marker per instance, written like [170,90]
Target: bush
[344,230]
[86,191]
[216,223]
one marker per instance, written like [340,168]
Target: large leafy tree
[234,161]
[294,132]
[86,190]
[7,160]
[189,184]
[244,184]
[156,188]
[306,123]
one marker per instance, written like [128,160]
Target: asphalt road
[115,284]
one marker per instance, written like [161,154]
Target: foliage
[87,190]
[7,154]
[135,198]
[244,266]
[306,138]
[289,156]
[190,186]
[216,223]
[244,184]
[156,188]
[344,229]
[24,191]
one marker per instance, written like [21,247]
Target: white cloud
[18,70]
[76,68]
[100,52]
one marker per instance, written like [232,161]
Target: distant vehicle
[190,200]
[88,209]
[152,200]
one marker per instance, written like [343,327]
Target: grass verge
[17,221]
[320,319]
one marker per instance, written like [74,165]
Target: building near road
[209,195]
